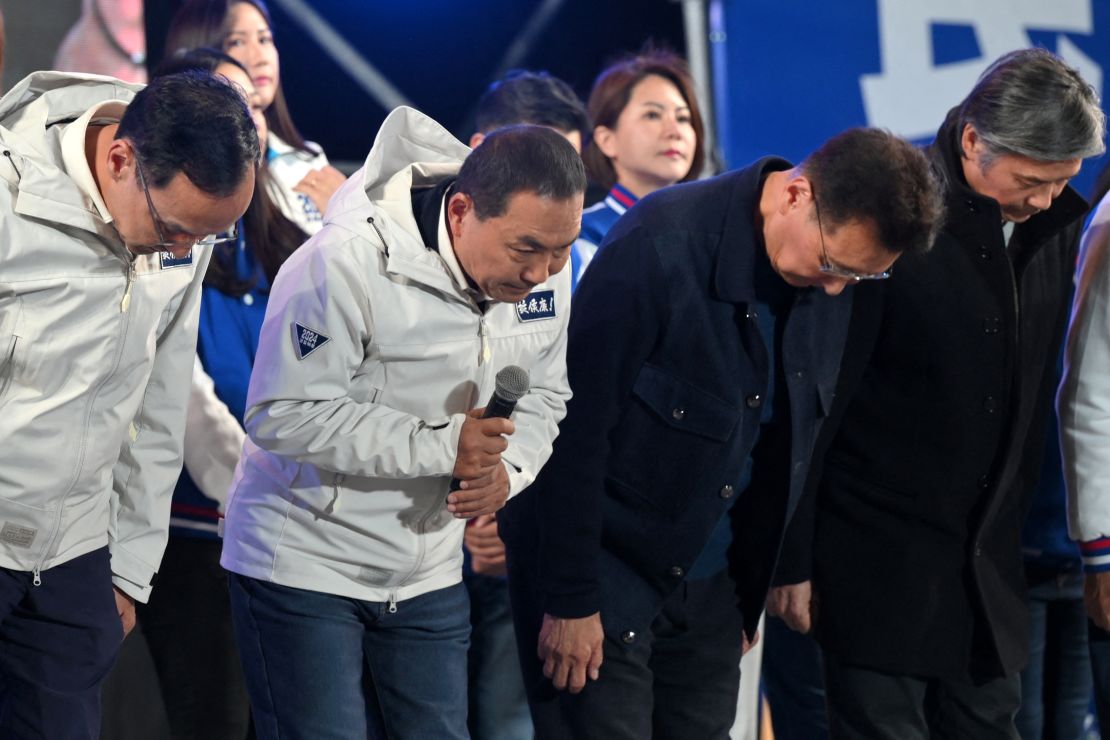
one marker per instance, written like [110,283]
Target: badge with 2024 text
[540,304]
[307,340]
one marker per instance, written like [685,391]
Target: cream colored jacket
[96,350]
[369,357]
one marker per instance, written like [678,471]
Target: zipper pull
[37,580]
[392,606]
[483,333]
[126,302]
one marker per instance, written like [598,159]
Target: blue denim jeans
[1056,684]
[321,666]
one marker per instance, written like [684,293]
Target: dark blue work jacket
[669,371]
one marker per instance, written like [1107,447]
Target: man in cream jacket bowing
[382,335]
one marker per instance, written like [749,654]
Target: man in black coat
[703,353]
[910,551]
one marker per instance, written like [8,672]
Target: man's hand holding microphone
[480,482]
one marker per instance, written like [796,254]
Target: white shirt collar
[447,252]
[73,151]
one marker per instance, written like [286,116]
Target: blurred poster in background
[98,36]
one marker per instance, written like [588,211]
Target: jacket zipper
[483,335]
[126,302]
[55,528]
[484,356]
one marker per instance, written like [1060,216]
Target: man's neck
[97,141]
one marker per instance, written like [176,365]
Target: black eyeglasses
[228,236]
[835,270]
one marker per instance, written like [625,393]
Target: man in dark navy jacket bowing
[704,348]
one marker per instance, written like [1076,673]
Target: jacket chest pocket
[672,434]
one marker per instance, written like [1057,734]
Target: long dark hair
[204,23]
[269,235]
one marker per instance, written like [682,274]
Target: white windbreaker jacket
[369,357]
[96,351]
[1084,398]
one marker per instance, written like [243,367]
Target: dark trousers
[793,682]
[1056,683]
[188,630]
[58,641]
[1098,641]
[679,679]
[871,705]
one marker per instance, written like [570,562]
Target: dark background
[440,54]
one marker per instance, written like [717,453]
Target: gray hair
[1029,102]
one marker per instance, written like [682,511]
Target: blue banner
[794,72]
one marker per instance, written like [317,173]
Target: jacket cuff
[571,606]
[131,575]
[1096,555]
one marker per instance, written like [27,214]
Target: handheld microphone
[510,385]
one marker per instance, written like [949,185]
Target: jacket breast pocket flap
[672,435]
[684,406]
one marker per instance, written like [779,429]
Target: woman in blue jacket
[647,135]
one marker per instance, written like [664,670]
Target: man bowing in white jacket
[107,193]
[383,334]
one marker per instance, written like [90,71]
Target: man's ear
[121,158]
[459,206]
[971,144]
[797,193]
[476,138]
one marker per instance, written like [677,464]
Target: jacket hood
[409,149]
[43,98]
[410,140]
[26,111]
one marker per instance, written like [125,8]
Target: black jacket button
[754,401]
[727,491]
[628,637]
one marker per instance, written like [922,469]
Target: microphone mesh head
[512,382]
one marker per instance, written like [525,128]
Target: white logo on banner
[911,95]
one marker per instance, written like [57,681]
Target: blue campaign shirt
[227,341]
[596,222]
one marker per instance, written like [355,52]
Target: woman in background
[187,622]
[647,135]
[301,180]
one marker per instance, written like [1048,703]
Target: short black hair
[522,96]
[195,123]
[521,158]
[870,175]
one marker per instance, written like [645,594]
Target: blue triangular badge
[307,340]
